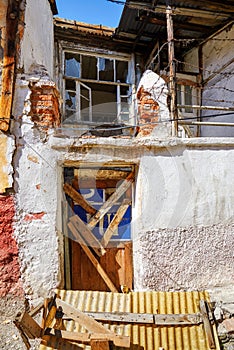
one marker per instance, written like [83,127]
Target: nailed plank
[87,235]
[31,327]
[207,325]
[115,222]
[122,317]
[78,198]
[92,258]
[128,265]
[111,200]
[158,319]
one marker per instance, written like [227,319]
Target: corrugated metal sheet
[143,337]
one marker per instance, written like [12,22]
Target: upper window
[96,88]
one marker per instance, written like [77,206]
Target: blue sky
[90,11]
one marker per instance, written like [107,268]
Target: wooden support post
[92,258]
[172,65]
[207,325]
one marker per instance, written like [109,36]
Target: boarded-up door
[103,217]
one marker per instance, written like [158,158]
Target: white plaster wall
[191,61]
[183,187]
[36,187]
[38,40]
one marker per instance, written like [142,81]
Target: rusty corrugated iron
[84,27]
[143,336]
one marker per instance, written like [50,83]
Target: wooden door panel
[117,262]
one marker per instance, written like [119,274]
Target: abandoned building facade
[116,159]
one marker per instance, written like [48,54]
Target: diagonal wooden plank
[111,200]
[78,198]
[92,258]
[87,235]
[84,320]
[115,222]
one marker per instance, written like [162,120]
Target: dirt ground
[10,337]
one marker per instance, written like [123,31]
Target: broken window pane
[72,65]
[121,71]
[106,69]
[70,100]
[89,67]
[188,98]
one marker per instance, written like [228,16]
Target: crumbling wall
[153,112]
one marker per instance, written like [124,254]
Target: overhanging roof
[144,22]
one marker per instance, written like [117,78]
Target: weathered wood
[207,325]
[44,314]
[122,317]
[158,319]
[78,198]
[99,344]
[92,258]
[128,265]
[115,222]
[36,309]
[31,327]
[67,264]
[172,66]
[84,320]
[9,64]
[111,200]
[87,235]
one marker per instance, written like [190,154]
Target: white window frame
[121,115]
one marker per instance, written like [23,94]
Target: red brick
[9,264]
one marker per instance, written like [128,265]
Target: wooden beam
[111,200]
[207,325]
[9,64]
[86,338]
[31,327]
[92,258]
[87,235]
[172,66]
[157,319]
[115,222]
[78,198]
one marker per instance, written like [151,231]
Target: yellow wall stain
[4,177]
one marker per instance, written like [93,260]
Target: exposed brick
[45,106]
[148,110]
[9,264]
